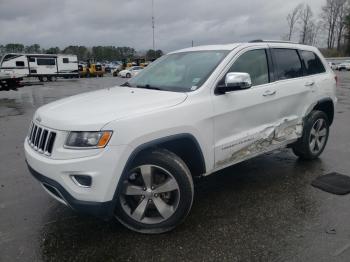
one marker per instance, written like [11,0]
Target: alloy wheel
[318,136]
[150,194]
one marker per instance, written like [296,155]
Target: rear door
[316,77]
[295,91]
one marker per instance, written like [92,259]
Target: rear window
[46,61]
[287,63]
[65,60]
[313,64]
[19,63]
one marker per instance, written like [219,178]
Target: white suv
[131,151]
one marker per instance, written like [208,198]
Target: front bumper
[105,169]
[103,210]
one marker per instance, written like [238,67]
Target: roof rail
[271,41]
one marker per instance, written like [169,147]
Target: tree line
[100,53]
[329,29]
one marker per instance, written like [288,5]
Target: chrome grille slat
[41,139]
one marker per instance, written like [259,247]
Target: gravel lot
[263,209]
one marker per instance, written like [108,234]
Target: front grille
[41,139]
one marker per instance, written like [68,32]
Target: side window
[313,64]
[65,60]
[287,63]
[19,63]
[46,61]
[254,63]
[31,59]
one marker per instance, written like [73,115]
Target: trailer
[46,67]
[10,81]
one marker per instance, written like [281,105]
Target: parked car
[10,81]
[130,72]
[117,69]
[343,66]
[131,152]
[333,65]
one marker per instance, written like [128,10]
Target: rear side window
[254,63]
[65,60]
[287,63]
[19,63]
[313,64]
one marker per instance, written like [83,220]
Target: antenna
[153,23]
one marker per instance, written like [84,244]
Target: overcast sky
[128,22]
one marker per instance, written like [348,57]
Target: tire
[128,75]
[159,210]
[315,136]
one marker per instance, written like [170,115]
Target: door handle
[269,93]
[310,83]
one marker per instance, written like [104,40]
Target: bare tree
[340,23]
[312,33]
[292,19]
[306,23]
[331,13]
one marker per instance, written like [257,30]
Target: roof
[43,55]
[229,47]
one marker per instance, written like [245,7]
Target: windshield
[179,72]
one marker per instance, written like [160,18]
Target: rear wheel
[315,136]
[156,194]
[128,75]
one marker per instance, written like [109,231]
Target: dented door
[252,121]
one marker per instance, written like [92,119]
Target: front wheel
[315,136]
[156,194]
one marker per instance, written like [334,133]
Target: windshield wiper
[148,87]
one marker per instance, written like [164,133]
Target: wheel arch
[326,105]
[184,145]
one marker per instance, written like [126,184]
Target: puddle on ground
[9,107]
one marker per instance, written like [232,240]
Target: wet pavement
[263,209]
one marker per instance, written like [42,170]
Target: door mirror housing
[235,81]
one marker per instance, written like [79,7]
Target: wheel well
[184,146]
[327,107]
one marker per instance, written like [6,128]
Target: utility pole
[154,48]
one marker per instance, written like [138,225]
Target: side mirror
[235,81]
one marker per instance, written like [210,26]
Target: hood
[91,111]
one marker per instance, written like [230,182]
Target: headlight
[88,139]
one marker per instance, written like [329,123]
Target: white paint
[229,128]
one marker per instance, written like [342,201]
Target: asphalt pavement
[263,209]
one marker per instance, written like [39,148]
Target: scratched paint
[269,138]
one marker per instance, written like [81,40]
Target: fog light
[82,180]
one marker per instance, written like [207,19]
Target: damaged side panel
[250,144]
